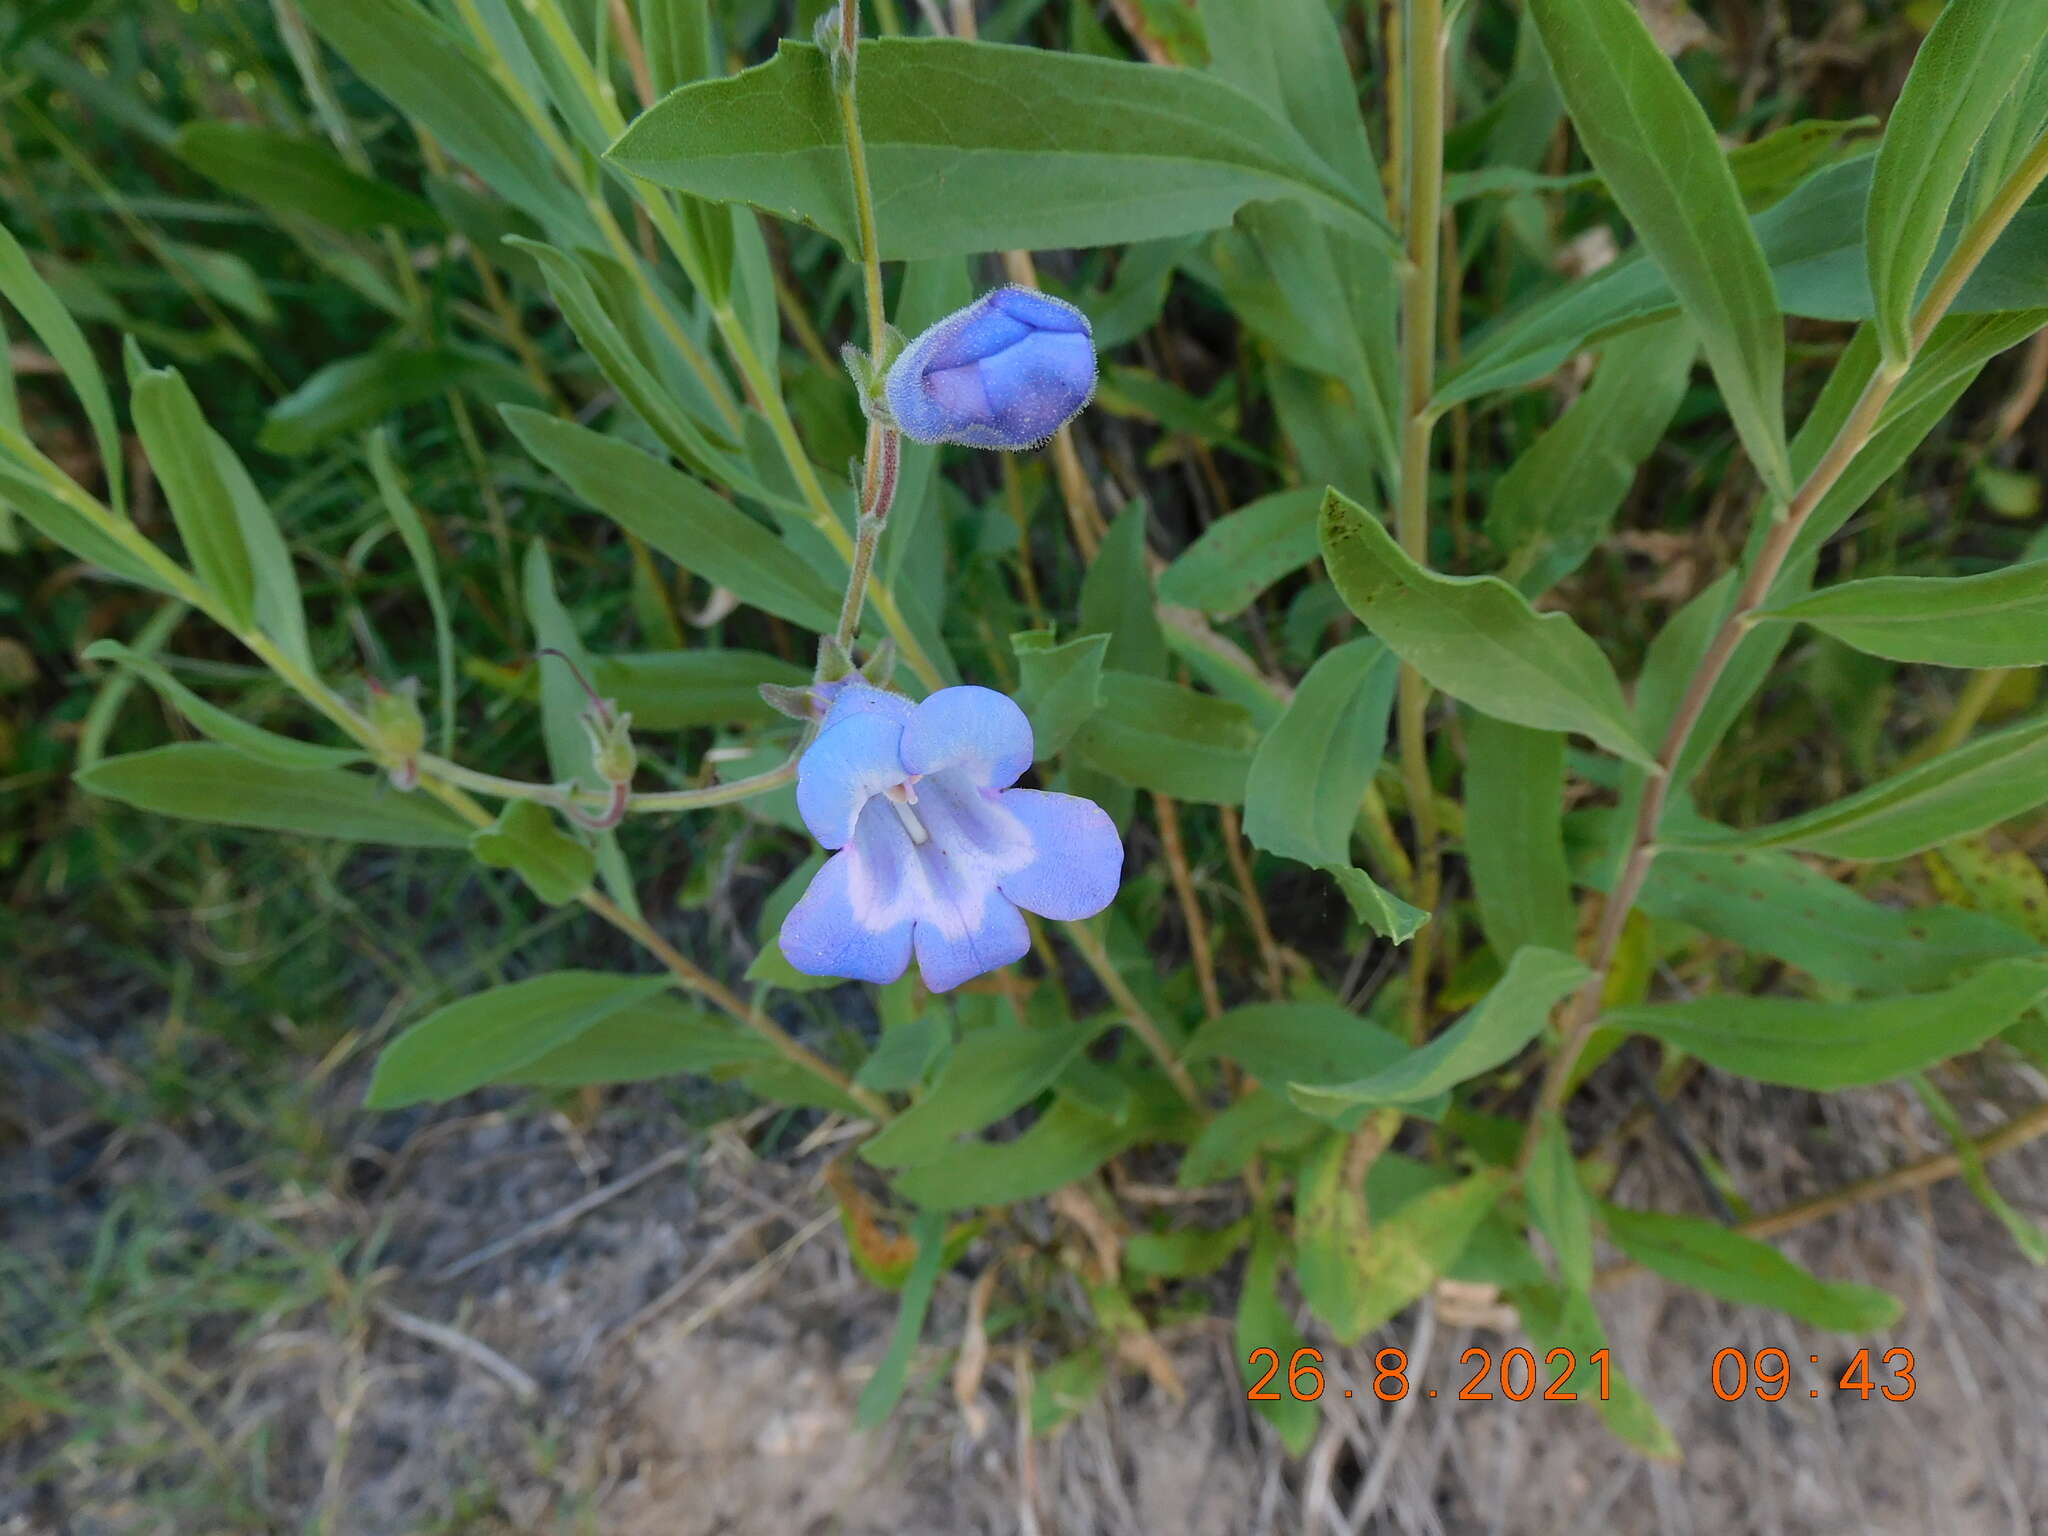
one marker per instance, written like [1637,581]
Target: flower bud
[394,716]
[1007,371]
[611,743]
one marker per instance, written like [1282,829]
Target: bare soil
[684,1360]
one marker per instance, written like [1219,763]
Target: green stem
[1422,139]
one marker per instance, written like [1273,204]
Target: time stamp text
[1768,1375]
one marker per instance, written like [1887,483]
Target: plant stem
[1422,49]
[2016,1132]
[1142,1024]
[1855,433]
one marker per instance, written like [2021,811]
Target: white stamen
[908,817]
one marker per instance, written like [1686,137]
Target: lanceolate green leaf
[1559,1203]
[1059,685]
[1241,554]
[635,381]
[412,531]
[1976,786]
[1264,1321]
[672,690]
[1311,771]
[483,1038]
[1064,1144]
[1773,904]
[1492,1031]
[1813,242]
[659,1036]
[1963,72]
[1475,637]
[229,730]
[1514,845]
[431,75]
[295,175]
[1559,1317]
[1824,1046]
[1709,1257]
[989,1074]
[1411,1247]
[1652,142]
[679,517]
[1296,1042]
[26,290]
[1999,619]
[526,838]
[1066,150]
[201,781]
[360,391]
[1160,736]
[1558,500]
[180,447]
[2026,1232]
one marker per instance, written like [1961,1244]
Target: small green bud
[394,718]
[611,743]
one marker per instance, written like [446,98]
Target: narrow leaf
[1160,736]
[1647,135]
[1711,1258]
[679,517]
[1312,769]
[25,289]
[201,781]
[481,1038]
[288,174]
[1507,1019]
[1824,1046]
[1998,619]
[180,447]
[1242,553]
[1514,842]
[1990,780]
[412,531]
[283,752]
[1108,151]
[1559,1203]
[1475,637]
[1964,70]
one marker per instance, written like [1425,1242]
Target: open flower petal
[851,761]
[949,953]
[1080,858]
[977,731]
[831,931]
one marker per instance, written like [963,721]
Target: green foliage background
[1398,620]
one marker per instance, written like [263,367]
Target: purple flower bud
[1007,371]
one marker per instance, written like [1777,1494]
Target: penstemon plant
[1523,842]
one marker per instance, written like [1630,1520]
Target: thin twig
[1190,904]
[2016,1132]
[1142,1024]
[456,1342]
[567,1216]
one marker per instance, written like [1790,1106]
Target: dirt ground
[683,1359]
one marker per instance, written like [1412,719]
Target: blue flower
[936,852]
[1007,371]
